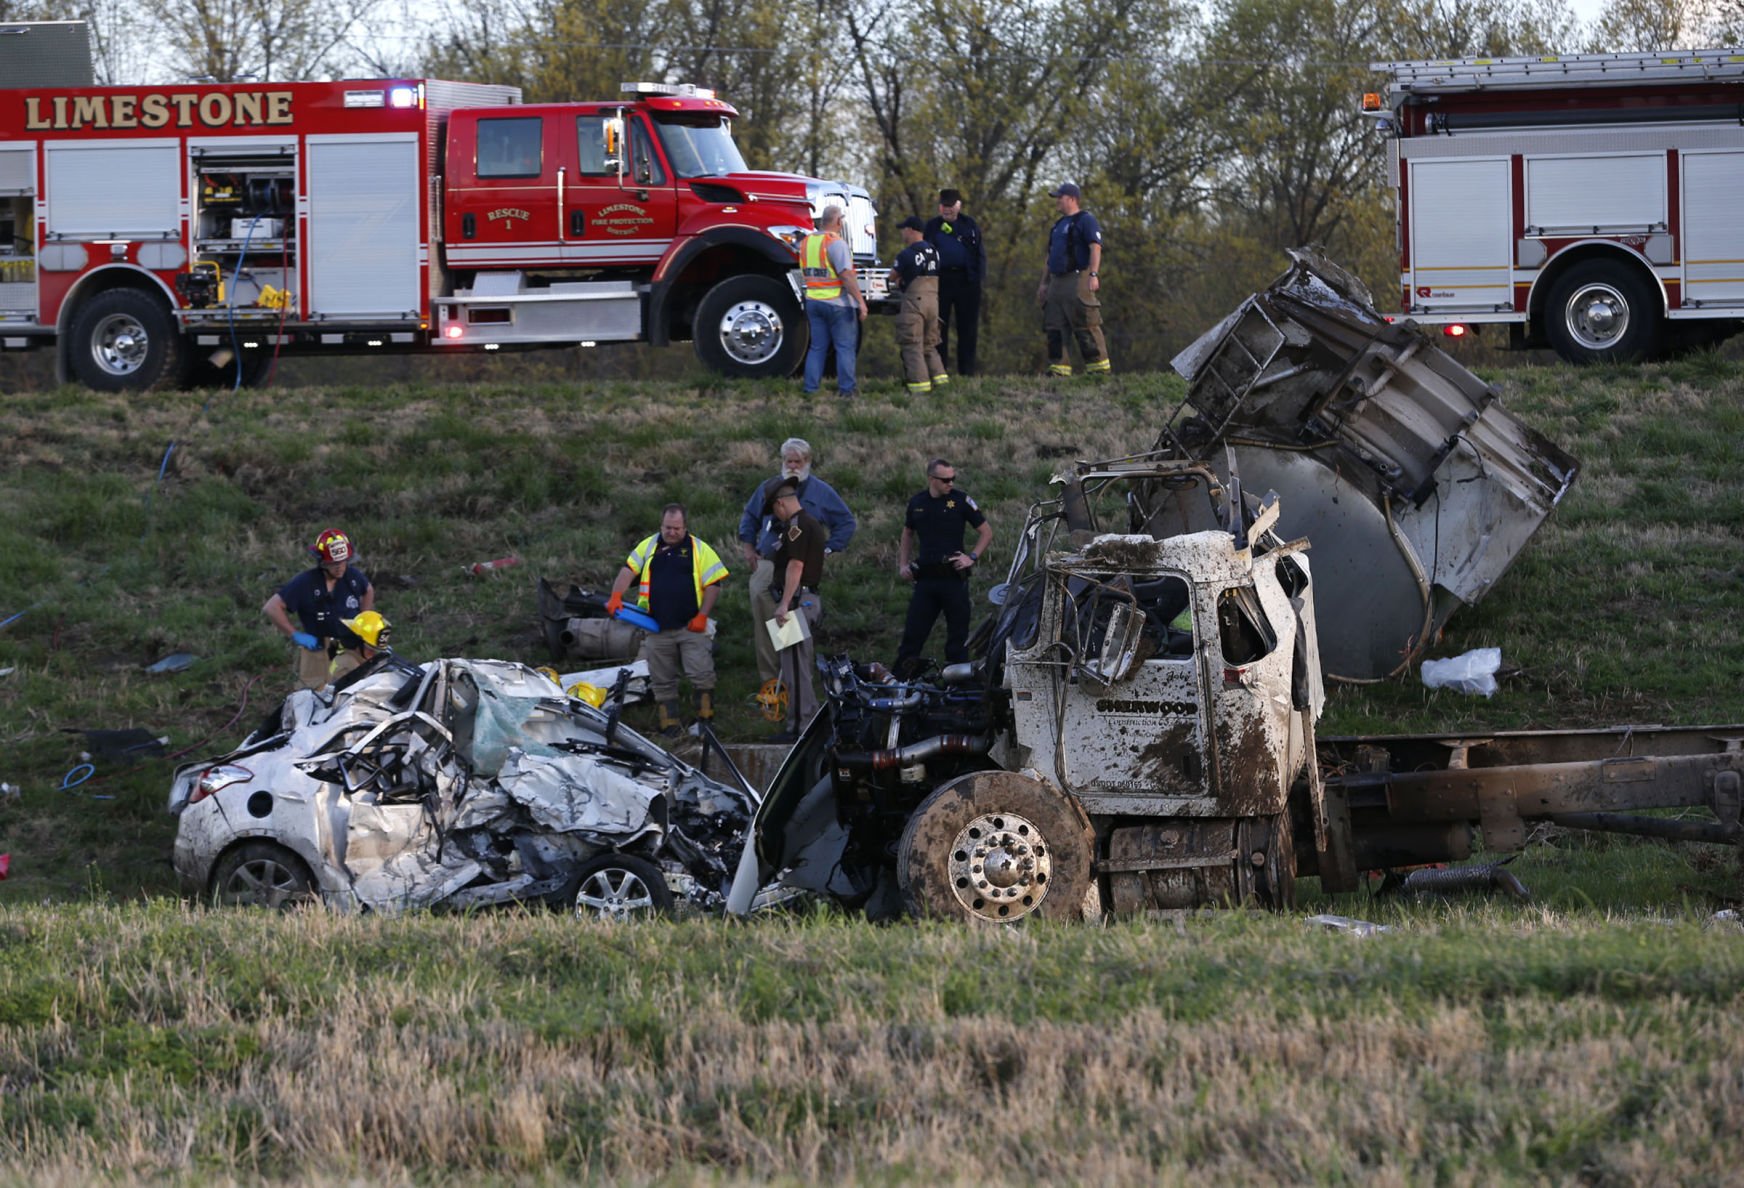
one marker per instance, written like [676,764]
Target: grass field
[1589,1035]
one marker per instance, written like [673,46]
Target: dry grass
[154,1044]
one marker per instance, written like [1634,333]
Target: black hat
[950,197]
[1065,190]
[911,223]
[784,487]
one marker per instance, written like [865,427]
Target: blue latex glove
[304,640]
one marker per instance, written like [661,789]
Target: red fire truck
[185,234]
[1589,202]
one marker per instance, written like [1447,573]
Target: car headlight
[215,778]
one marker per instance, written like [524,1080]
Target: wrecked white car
[458,783]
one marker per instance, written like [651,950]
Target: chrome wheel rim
[1000,867]
[613,894]
[120,344]
[752,332]
[1597,316]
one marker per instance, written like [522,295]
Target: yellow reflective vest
[822,282]
[705,566]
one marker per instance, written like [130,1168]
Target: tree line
[1207,137]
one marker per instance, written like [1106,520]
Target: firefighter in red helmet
[322,598]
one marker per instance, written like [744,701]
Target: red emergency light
[453,330]
[1454,330]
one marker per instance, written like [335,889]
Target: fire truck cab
[1589,202]
[188,234]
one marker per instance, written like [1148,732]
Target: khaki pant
[799,664]
[666,651]
[1070,307]
[918,330]
[762,610]
[315,671]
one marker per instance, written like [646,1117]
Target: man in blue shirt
[962,267]
[322,598]
[1069,286]
[759,538]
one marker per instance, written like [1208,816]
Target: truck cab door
[503,203]
[618,210]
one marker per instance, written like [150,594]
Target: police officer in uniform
[962,266]
[933,558]
[1069,285]
[917,323]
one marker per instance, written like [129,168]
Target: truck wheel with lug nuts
[261,874]
[750,326]
[994,847]
[1603,311]
[125,340]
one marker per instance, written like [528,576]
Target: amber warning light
[1371,101]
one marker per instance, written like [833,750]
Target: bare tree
[233,40]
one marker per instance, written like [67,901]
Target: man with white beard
[758,538]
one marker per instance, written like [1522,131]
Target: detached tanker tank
[1416,486]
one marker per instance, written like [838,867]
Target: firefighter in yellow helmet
[371,654]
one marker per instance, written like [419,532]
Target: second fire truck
[1588,202]
[187,234]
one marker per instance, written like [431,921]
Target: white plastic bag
[1472,672]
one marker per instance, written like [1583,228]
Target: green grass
[1626,607]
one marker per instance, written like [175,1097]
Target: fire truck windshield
[699,147]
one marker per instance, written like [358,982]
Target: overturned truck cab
[1137,731]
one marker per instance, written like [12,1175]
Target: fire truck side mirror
[614,143]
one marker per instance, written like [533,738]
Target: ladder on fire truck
[1446,75]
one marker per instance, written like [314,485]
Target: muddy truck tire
[994,847]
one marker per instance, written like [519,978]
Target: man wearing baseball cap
[1069,285]
[917,323]
[962,267]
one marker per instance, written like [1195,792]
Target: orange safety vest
[822,282]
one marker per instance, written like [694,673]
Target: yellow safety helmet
[370,627]
[592,694]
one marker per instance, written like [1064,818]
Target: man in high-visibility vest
[679,579]
[834,307]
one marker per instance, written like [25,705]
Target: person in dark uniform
[962,268]
[1069,286]
[322,598]
[917,322]
[933,558]
[799,567]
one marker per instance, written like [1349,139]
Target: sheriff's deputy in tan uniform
[918,329]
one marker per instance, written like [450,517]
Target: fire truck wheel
[124,340]
[1269,846]
[750,326]
[1603,311]
[993,847]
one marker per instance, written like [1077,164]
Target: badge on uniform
[949,504]
[970,500]
[793,532]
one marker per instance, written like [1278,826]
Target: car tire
[261,874]
[750,326]
[616,887]
[125,340]
[995,847]
[1604,311]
